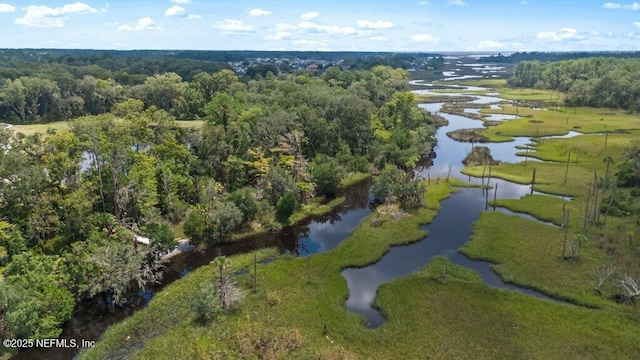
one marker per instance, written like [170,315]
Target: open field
[41,128]
[64,125]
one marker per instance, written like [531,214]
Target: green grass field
[64,125]
[41,128]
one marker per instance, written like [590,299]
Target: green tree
[245,200]
[285,206]
[11,242]
[33,298]
[407,190]
[326,172]
[31,97]
[110,263]
[223,109]
[212,225]
[164,91]
[629,168]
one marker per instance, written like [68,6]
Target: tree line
[596,81]
[72,200]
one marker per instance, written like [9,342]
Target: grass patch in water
[296,303]
[531,94]
[560,121]
[535,259]
[353,178]
[462,319]
[486,83]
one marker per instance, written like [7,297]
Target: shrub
[285,206]
[160,234]
[213,225]
[405,190]
[207,304]
[245,200]
[326,173]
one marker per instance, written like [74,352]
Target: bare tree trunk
[586,211]
[566,231]
[566,172]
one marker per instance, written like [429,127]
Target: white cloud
[310,43]
[327,29]
[284,27]
[259,12]
[636,24]
[423,3]
[457,2]
[232,25]
[44,16]
[6,8]
[632,6]
[175,10]
[279,36]
[309,15]
[181,2]
[379,38]
[194,16]
[380,24]
[423,38]
[489,45]
[565,34]
[143,24]
[524,2]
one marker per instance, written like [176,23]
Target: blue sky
[350,25]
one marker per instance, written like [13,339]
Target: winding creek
[452,226]
[450,230]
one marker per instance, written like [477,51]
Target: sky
[345,25]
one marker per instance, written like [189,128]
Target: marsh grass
[442,311]
[560,121]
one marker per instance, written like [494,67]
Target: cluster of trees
[597,81]
[71,201]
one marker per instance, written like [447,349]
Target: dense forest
[72,200]
[596,81]
[50,85]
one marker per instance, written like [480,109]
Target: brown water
[316,235]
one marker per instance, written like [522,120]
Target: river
[315,235]
[450,230]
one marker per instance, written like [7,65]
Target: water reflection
[316,235]
[452,227]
